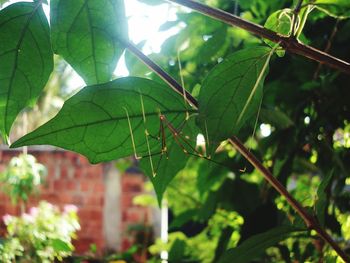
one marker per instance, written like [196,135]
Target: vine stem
[309,220]
[161,73]
[290,44]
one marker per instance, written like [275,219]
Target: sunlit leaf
[253,247]
[86,32]
[231,94]
[60,245]
[105,122]
[280,22]
[26,59]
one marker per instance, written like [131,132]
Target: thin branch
[161,73]
[328,47]
[309,220]
[289,44]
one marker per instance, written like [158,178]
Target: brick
[134,216]
[94,172]
[126,200]
[85,185]
[79,173]
[71,185]
[77,200]
[126,244]
[50,197]
[99,187]
[94,200]
[95,215]
[59,185]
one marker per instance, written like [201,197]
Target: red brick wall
[70,180]
[132,185]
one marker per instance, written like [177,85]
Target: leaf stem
[309,220]
[161,73]
[288,43]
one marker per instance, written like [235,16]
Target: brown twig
[288,43]
[328,47]
[309,220]
[161,73]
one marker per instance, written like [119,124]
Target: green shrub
[42,235]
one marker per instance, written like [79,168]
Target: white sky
[144,22]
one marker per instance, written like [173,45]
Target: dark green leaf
[210,174]
[26,59]
[231,94]
[336,8]
[276,118]
[322,198]
[85,33]
[163,167]
[177,251]
[95,122]
[183,218]
[223,242]
[255,246]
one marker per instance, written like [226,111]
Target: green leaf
[231,94]
[256,245]
[86,32]
[105,122]
[336,8]
[276,118]
[163,167]
[183,218]
[224,239]
[280,22]
[177,251]
[26,59]
[322,198]
[59,245]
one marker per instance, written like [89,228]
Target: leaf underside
[85,33]
[167,165]
[95,122]
[26,59]
[231,94]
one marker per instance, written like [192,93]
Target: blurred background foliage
[302,135]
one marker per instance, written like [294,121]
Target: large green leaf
[107,121]
[86,32]
[163,167]
[231,93]
[322,198]
[26,59]
[256,245]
